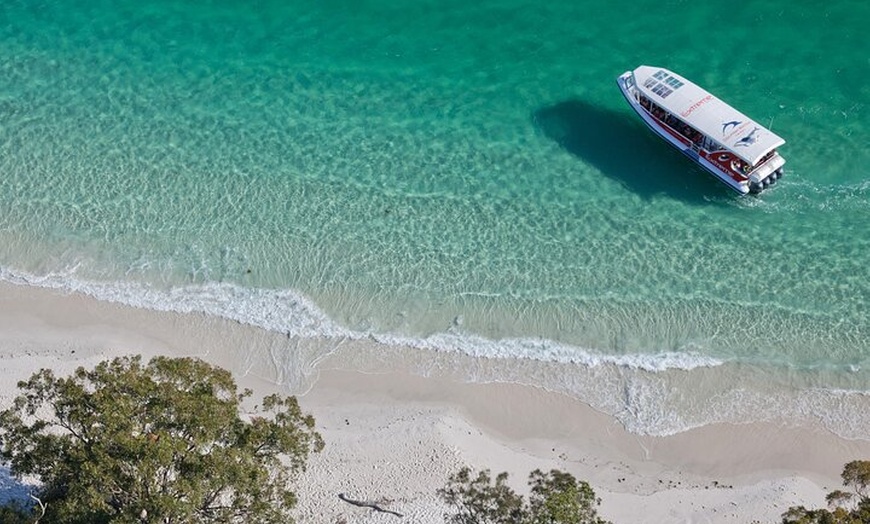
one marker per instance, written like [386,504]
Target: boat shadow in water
[624,150]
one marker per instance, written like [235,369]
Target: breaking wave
[286,311]
[647,393]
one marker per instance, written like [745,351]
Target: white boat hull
[760,178]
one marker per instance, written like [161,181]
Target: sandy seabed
[393,437]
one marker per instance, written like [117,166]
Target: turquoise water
[447,176]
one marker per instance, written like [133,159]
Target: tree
[162,443]
[847,507]
[478,501]
[556,498]
[856,475]
[559,498]
[14,513]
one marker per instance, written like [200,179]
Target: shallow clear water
[446,176]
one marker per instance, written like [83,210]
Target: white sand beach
[394,437]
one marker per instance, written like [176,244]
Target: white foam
[633,388]
[548,350]
[282,311]
[289,312]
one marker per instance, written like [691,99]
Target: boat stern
[766,175]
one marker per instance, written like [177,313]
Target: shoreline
[645,392]
[396,435]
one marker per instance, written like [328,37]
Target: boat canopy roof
[736,132]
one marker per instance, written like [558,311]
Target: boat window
[662,90]
[711,145]
[662,83]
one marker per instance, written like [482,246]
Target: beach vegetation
[477,499]
[164,442]
[849,506]
[555,497]
[16,513]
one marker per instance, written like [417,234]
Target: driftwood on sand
[367,504]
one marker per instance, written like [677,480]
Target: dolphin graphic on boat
[726,125]
[748,140]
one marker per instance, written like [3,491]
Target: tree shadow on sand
[624,150]
[13,491]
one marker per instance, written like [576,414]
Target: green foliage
[556,498]
[15,514]
[127,443]
[856,475]
[559,498]
[478,501]
[847,507]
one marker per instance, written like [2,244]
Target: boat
[735,149]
